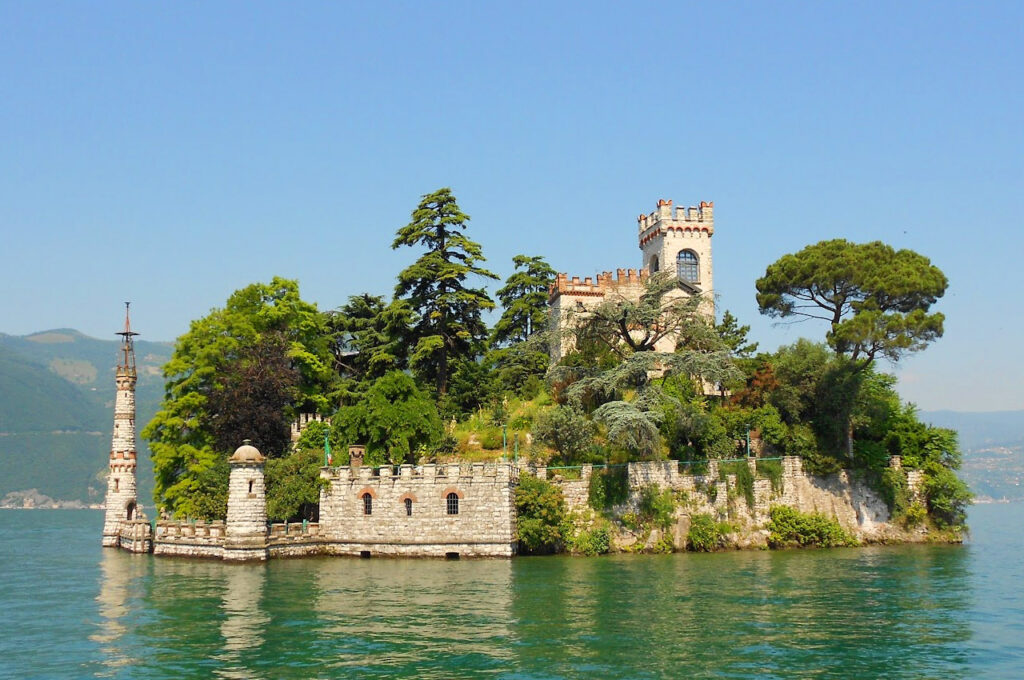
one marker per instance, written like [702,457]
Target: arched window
[453,503]
[654,265]
[408,507]
[367,504]
[687,266]
[131,511]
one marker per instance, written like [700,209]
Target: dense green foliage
[524,298]
[394,419]
[447,326]
[567,430]
[790,528]
[608,487]
[293,486]
[704,534]
[875,299]
[540,516]
[590,542]
[657,507]
[220,351]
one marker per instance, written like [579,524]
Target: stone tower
[678,240]
[246,528]
[121,503]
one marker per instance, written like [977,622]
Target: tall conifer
[448,325]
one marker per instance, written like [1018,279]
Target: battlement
[302,421]
[666,216]
[468,473]
[599,286]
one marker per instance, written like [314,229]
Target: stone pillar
[121,504]
[246,527]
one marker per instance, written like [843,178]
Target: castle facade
[672,239]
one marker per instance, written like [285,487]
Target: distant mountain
[56,412]
[993,447]
[986,428]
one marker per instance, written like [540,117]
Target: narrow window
[117,484]
[367,504]
[654,264]
[453,504]
[408,507]
[687,266]
[250,486]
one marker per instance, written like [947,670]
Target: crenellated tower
[678,240]
[121,502]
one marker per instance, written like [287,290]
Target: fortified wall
[468,510]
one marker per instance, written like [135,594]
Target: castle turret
[678,240]
[246,526]
[121,502]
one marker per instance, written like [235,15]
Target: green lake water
[70,609]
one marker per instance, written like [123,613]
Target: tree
[632,331]
[448,322]
[566,430]
[394,419]
[293,486]
[369,340]
[540,516]
[252,396]
[875,299]
[735,336]
[182,436]
[524,298]
[877,302]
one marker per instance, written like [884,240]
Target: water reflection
[119,585]
[885,612]
[415,616]
[244,622]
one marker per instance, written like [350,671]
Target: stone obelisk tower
[121,503]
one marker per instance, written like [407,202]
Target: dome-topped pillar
[246,526]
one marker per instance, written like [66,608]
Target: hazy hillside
[56,411]
[993,446]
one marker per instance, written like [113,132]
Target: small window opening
[408,507]
[451,555]
[367,504]
[131,511]
[654,264]
[117,484]
[453,503]
[250,486]
[365,554]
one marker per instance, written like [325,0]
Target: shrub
[490,439]
[664,545]
[657,506]
[608,487]
[948,496]
[914,516]
[791,528]
[895,491]
[704,535]
[744,478]
[567,430]
[591,542]
[540,510]
[772,469]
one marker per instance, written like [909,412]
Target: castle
[676,240]
[468,510]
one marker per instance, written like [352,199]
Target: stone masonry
[428,510]
[121,504]
[664,236]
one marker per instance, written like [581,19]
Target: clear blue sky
[169,153]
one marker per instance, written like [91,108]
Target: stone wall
[189,539]
[483,526]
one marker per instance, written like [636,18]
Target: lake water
[70,609]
